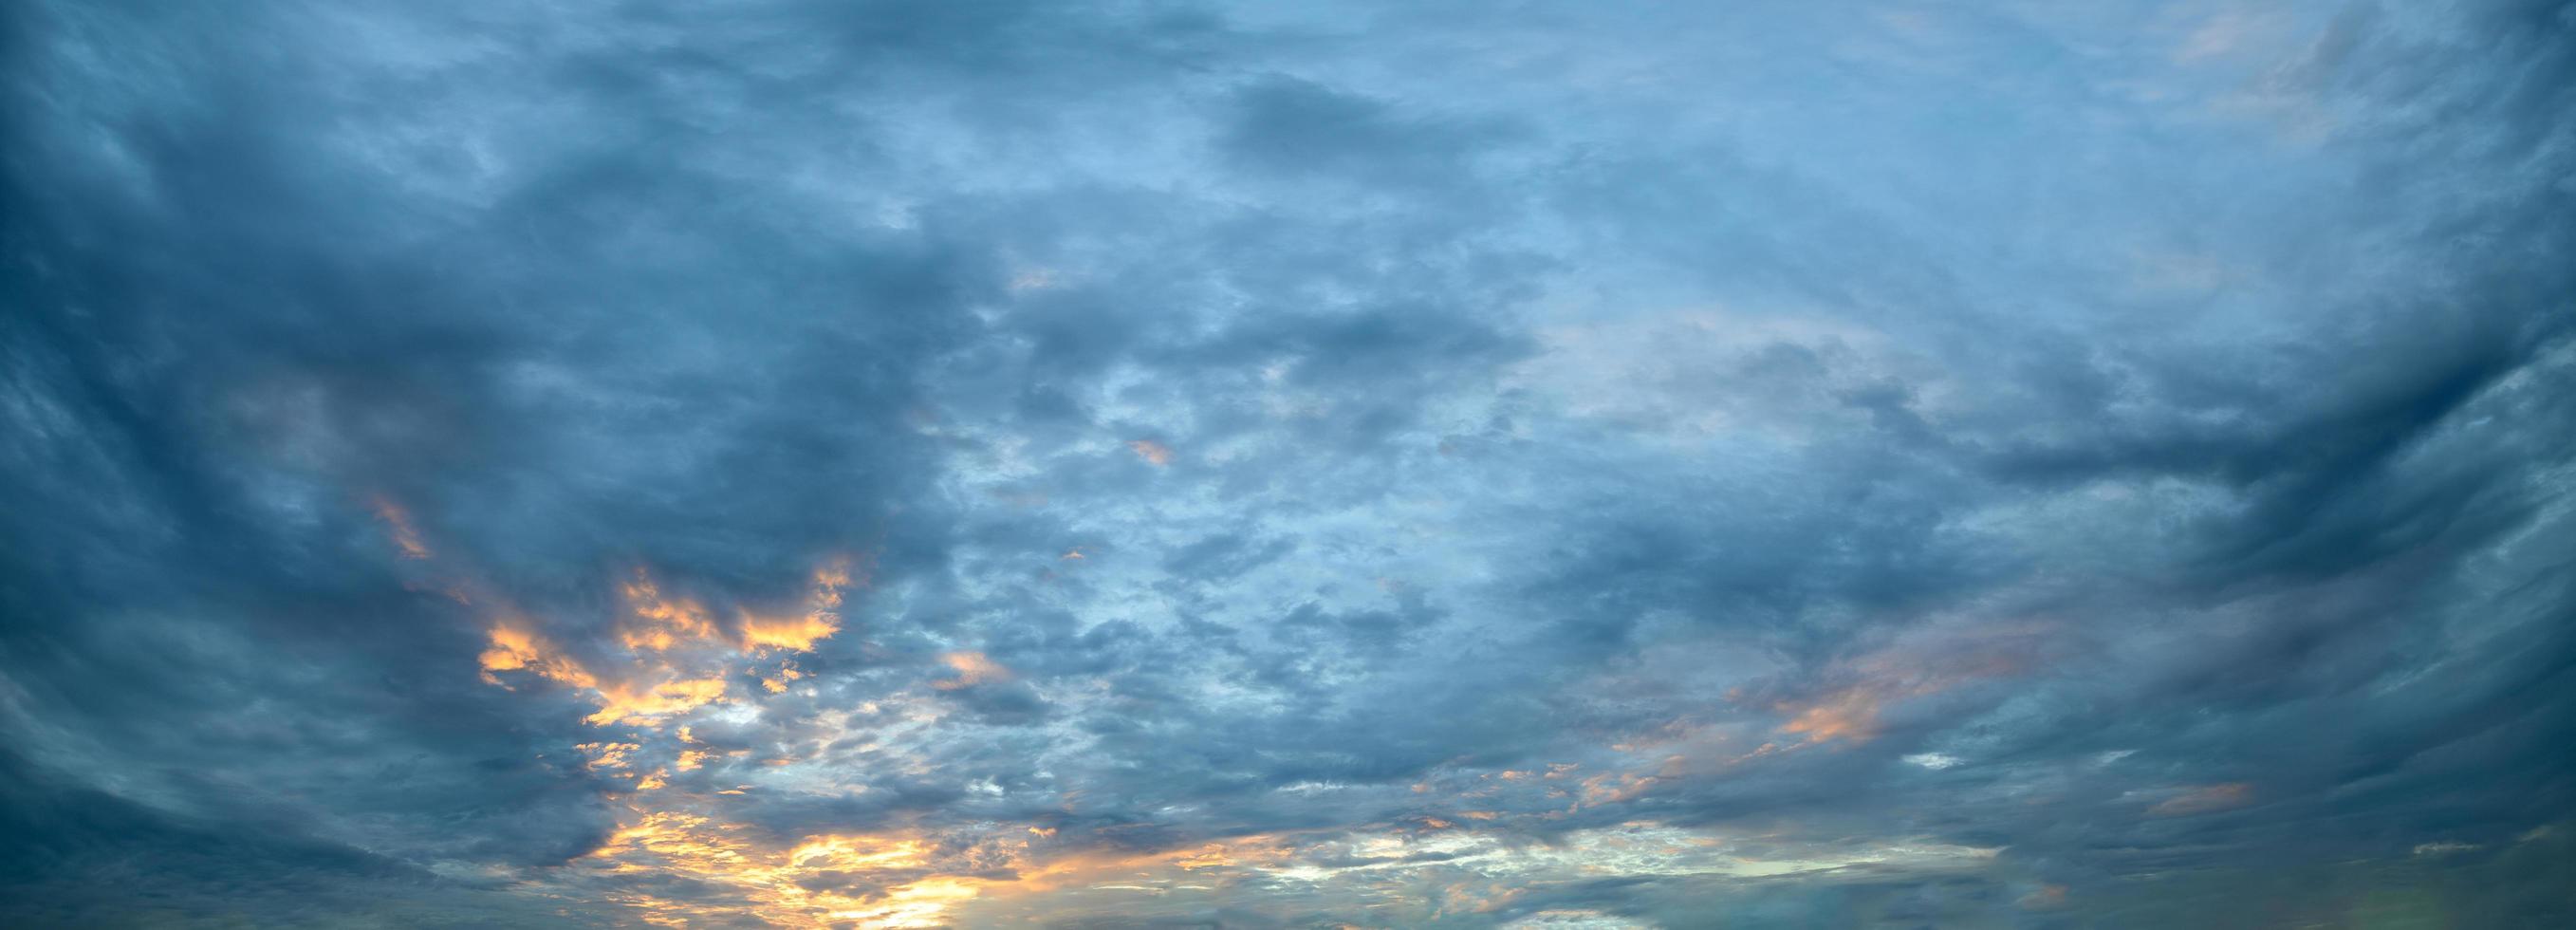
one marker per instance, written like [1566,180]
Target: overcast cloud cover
[2016,464]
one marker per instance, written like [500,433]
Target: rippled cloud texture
[815,464]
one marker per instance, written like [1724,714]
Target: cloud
[1151,451]
[2203,800]
[996,463]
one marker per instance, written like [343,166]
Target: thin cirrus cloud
[1006,464]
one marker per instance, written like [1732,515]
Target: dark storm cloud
[998,464]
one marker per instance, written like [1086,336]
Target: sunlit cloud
[515,649]
[398,527]
[2204,799]
[658,624]
[676,664]
[1151,451]
[1926,662]
[971,668]
[819,881]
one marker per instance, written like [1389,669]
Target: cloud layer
[993,464]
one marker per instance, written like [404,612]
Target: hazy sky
[1459,464]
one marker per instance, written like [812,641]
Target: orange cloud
[651,704]
[818,882]
[1152,451]
[607,755]
[398,527]
[661,623]
[972,669]
[1928,662]
[1260,851]
[798,633]
[677,659]
[1851,713]
[821,618]
[2205,799]
[1611,788]
[2048,896]
[515,649]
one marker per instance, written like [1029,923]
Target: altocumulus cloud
[812,464]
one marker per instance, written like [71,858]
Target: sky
[783,463]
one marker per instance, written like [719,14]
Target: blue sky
[1436,464]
